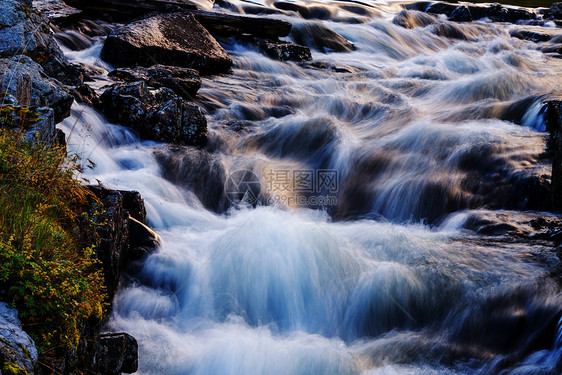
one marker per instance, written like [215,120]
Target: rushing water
[421,128]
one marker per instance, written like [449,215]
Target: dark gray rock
[130,10]
[172,39]
[16,347]
[555,11]
[112,239]
[224,24]
[461,14]
[533,36]
[57,11]
[117,353]
[497,13]
[441,8]
[184,82]
[320,37]
[134,204]
[552,110]
[144,241]
[25,31]
[84,94]
[28,83]
[37,123]
[285,51]
[155,114]
[515,15]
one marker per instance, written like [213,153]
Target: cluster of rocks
[38,87]
[549,39]
[161,56]
[494,12]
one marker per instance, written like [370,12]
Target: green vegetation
[12,369]
[45,270]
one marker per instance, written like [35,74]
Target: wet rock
[497,13]
[555,11]
[325,65]
[184,82]
[312,11]
[73,40]
[57,11]
[158,114]
[285,51]
[172,39]
[461,14]
[130,10]
[412,19]
[84,94]
[134,204]
[533,36]
[223,24]
[144,241]
[441,8]
[28,83]
[200,171]
[553,119]
[17,349]
[320,37]
[515,15]
[112,240]
[117,353]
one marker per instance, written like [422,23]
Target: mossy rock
[16,116]
[9,368]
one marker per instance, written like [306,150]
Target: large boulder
[57,11]
[37,123]
[172,39]
[27,82]
[17,349]
[158,115]
[184,82]
[25,31]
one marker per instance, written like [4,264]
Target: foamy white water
[387,281]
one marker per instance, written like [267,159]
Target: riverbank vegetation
[46,271]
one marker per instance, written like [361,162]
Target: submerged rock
[320,37]
[171,39]
[158,115]
[27,82]
[17,349]
[184,82]
[224,24]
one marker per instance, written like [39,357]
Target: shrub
[45,272]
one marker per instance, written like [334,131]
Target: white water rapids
[419,129]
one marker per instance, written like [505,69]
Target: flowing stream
[409,142]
